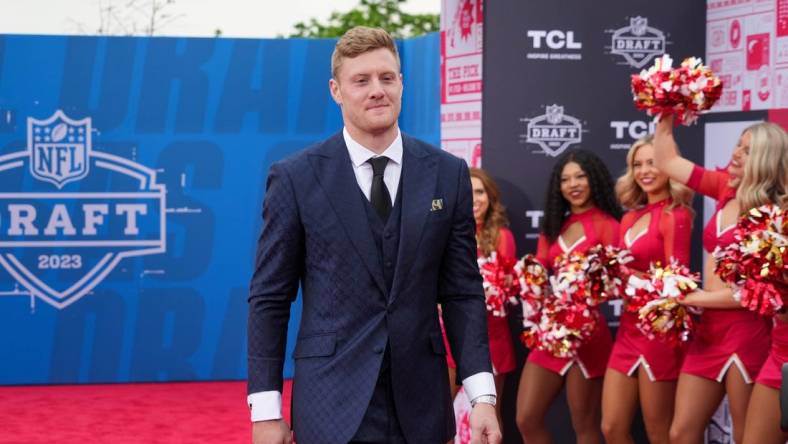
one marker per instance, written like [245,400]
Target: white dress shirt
[359,155]
[268,405]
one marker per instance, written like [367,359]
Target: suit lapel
[419,177]
[335,173]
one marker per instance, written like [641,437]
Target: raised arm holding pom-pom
[666,152]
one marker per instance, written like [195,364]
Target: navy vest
[380,423]
[386,236]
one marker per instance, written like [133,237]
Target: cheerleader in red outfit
[657,228]
[731,343]
[580,212]
[492,236]
[763,411]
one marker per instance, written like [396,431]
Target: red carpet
[189,412]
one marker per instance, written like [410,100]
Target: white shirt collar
[360,154]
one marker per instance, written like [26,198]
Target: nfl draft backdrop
[556,79]
[132,172]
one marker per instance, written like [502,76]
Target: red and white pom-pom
[593,277]
[685,91]
[533,286]
[569,317]
[756,264]
[530,334]
[667,320]
[639,292]
[656,300]
[607,272]
[562,329]
[499,283]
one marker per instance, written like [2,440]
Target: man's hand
[484,425]
[275,431]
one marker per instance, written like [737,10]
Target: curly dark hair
[556,208]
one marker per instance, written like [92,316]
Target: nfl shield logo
[59,148]
[554,114]
[638,25]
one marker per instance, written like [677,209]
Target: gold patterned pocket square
[437,205]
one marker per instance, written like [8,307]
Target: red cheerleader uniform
[667,236]
[598,228]
[724,337]
[501,346]
[771,372]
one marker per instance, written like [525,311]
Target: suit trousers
[380,423]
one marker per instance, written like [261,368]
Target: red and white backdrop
[747,45]
[556,78]
[461,78]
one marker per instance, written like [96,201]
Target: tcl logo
[634,130]
[534,217]
[554,39]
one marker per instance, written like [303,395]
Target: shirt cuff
[481,383]
[265,405]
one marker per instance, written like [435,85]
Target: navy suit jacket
[316,234]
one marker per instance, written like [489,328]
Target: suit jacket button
[378,349]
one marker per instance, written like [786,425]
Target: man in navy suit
[377,228]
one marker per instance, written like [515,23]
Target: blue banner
[132,172]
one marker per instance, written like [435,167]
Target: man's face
[368,88]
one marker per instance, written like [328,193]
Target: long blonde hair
[495,218]
[765,178]
[632,196]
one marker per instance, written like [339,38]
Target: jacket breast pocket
[439,216]
[436,341]
[313,346]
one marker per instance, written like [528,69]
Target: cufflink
[484,399]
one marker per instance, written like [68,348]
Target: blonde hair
[765,178]
[632,196]
[495,218]
[359,40]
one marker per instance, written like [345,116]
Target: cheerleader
[580,212]
[763,411]
[731,343]
[492,235]
[767,166]
[656,228]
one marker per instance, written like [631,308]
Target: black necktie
[379,194]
